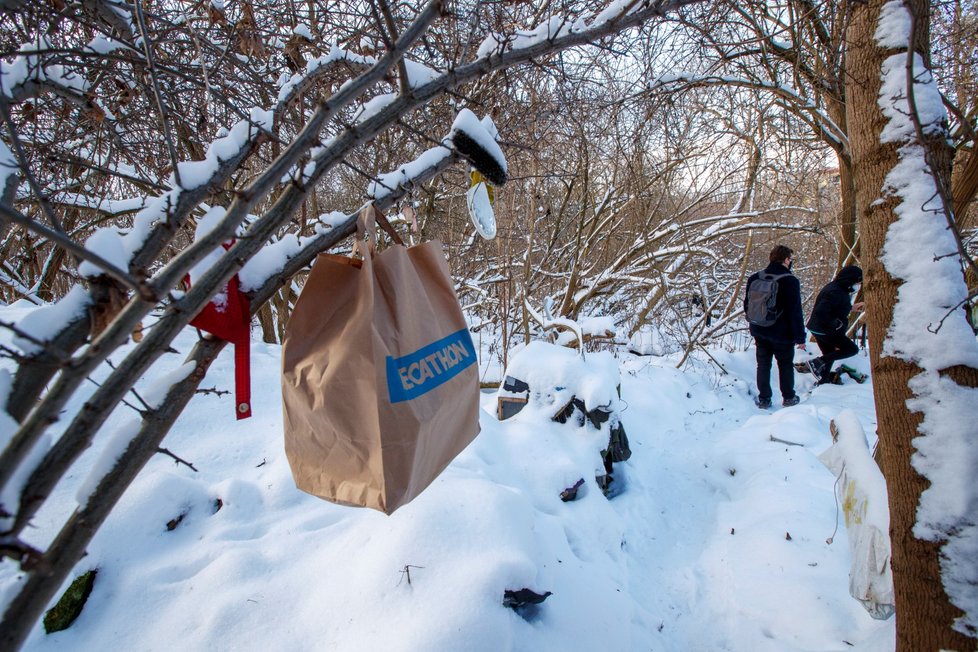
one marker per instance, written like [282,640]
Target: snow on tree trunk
[924,356]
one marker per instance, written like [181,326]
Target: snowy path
[656,568]
[668,519]
[709,520]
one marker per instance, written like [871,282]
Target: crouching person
[830,320]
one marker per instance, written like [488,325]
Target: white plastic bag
[861,491]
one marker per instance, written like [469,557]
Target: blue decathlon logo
[420,372]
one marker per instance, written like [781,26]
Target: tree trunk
[923,611]
[965,188]
[267,323]
[848,218]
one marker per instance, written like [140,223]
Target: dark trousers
[835,347]
[785,355]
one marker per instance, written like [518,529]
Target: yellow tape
[477,178]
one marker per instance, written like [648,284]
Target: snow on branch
[103,205]
[26,75]
[548,322]
[556,27]
[45,323]
[286,256]
[299,83]
[405,175]
[801,106]
[222,157]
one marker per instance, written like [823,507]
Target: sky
[715,537]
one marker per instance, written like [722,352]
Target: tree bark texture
[848,220]
[924,615]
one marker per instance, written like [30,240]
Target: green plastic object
[69,607]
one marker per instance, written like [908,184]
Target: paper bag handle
[366,231]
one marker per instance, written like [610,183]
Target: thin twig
[406,573]
[9,214]
[213,390]
[176,459]
[20,552]
[123,401]
[154,81]
[132,390]
[22,334]
[26,169]
[405,83]
[714,360]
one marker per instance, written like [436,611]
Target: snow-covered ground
[717,541]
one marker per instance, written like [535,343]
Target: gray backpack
[762,299]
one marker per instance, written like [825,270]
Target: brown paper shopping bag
[379,376]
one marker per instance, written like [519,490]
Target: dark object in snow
[816,366]
[598,415]
[573,406]
[833,377]
[787,536]
[803,368]
[172,524]
[515,385]
[69,607]
[618,448]
[523,597]
[479,157]
[513,396]
[570,493]
[852,373]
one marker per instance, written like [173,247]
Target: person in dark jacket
[777,340]
[830,320]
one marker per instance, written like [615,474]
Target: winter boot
[817,367]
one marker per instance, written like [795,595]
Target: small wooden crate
[507,406]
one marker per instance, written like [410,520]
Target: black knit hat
[850,275]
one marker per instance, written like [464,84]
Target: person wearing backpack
[773,308]
[830,320]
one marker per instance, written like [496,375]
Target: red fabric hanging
[232,323]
